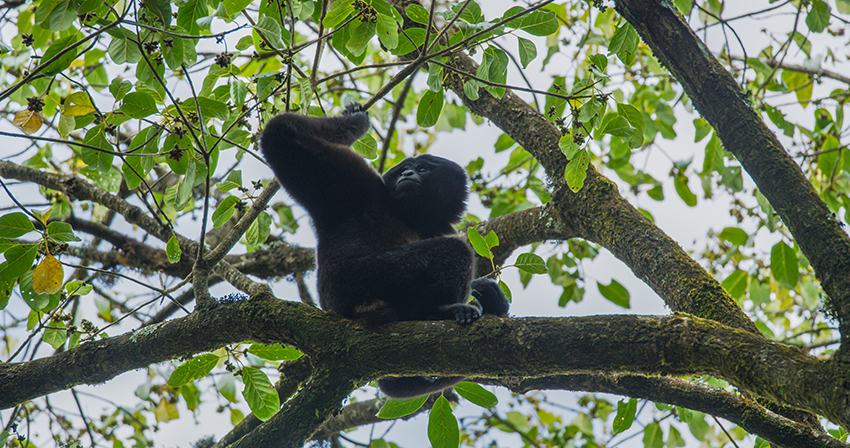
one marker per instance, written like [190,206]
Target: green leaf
[260,394]
[55,336]
[340,10]
[184,191]
[761,443]
[178,52]
[536,23]
[817,18]
[383,8]
[172,249]
[531,263]
[6,287]
[274,352]
[191,394]
[238,92]
[226,386]
[78,288]
[615,293]
[258,231]
[479,243]
[506,290]
[65,60]
[713,160]
[600,61]
[234,7]
[189,14]
[234,180]
[470,89]
[98,160]
[359,36]
[193,369]
[37,302]
[471,14]
[210,108]
[619,127]
[759,292]
[568,145]
[442,425]
[367,147]
[632,115]
[120,87]
[624,43]
[675,440]
[494,68]
[271,29]
[161,9]
[123,50]
[61,231]
[395,408]
[306,92]
[701,129]
[653,436]
[14,225]
[417,13]
[19,260]
[576,170]
[411,40]
[429,108]
[783,264]
[589,109]
[625,415]
[476,394]
[136,168]
[139,105]
[734,235]
[736,283]
[684,6]
[435,77]
[387,31]
[527,51]
[681,184]
[491,239]
[62,17]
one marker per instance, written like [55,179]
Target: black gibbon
[387,250]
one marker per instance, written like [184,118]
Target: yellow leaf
[43,216]
[166,411]
[47,277]
[28,121]
[78,104]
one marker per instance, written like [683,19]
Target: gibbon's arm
[311,159]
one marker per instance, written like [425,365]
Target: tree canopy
[139,229]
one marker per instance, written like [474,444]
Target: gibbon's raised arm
[312,160]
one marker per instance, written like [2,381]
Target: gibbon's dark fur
[387,250]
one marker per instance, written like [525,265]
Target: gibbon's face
[426,175]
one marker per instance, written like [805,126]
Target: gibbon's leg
[490,296]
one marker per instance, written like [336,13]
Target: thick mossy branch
[724,105]
[673,345]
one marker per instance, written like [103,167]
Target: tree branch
[747,414]
[725,106]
